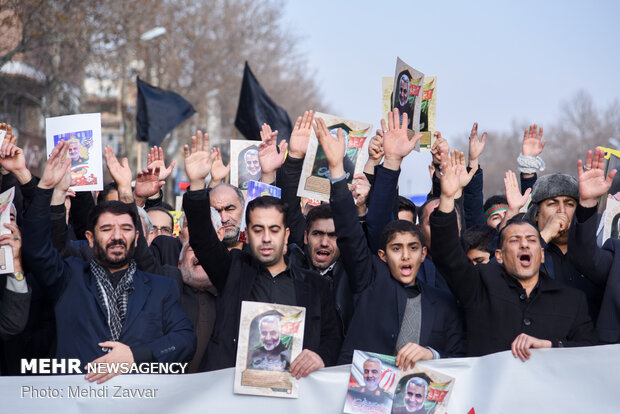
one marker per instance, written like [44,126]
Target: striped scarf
[114,300]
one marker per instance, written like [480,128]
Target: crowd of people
[102,278]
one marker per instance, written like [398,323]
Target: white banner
[569,380]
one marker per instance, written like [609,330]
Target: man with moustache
[514,305]
[369,397]
[107,310]
[272,355]
[554,201]
[262,275]
[416,391]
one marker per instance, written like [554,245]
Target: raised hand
[533,143]
[268,156]
[120,172]
[60,190]
[440,145]
[56,166]
[360,190]
[515,199]
[219,171]
[198,160]
[155,159]
[465,177]
[13,160]
[450,178]
[334,148]
[396,143]
[476,146]
[592,181]
[9,138]
[375,153]
[148,183]
[301,135]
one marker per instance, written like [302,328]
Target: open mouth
[525,259]
[322,255]
[406,270]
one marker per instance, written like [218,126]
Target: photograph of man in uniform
[249,167]
[320,168]
[370,397]
[415,393]
[401,97]
[271,354]
[75,152]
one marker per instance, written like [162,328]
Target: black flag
[256,107]
[159,112]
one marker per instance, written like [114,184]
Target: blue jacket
[155,326]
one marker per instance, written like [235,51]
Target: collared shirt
[270,288]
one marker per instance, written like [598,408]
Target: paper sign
[6,252]
[244,164]
[83,132]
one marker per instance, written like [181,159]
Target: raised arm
[592,261]
[213,256]
[472,194]
[529,160]
[448,255]
[396,146]
[287,178]
[38,253]
[269,157]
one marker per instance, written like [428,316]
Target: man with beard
[554,201]
[401,101]
[262,275]
[312,243]
[514,305]
[272,355]
[107,310]
[370,396]
[198,298]
[252,166]
[415,395]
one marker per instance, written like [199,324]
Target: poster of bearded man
[270,337]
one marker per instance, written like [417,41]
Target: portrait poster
[422,390]
[6,252]
[83,133]
[428,111]
[257,189]
[407,95]
[270,338]
[314,182]
[372,383]
[244,165]
[176,217]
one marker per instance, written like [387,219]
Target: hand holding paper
[306,363]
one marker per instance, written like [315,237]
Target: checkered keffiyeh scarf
[114,300]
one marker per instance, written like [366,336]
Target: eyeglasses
[162,230]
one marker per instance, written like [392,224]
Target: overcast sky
[496,61]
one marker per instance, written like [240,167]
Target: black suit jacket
[599,265]
[380,299]
[233,273]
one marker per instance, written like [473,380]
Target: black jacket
[288,180]
[599,265]
[233,274]
[381,300]
[496,311]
